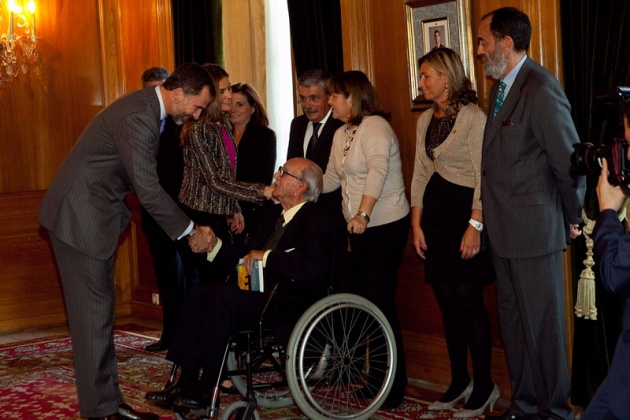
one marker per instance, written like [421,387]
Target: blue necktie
[500,99]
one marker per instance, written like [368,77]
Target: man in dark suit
[295,253]
[531,206]
[167,265]
[303,143]
[85,213]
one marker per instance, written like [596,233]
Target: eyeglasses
[284,172]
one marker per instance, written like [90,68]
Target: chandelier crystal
[18,42]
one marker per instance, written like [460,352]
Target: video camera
[587,157]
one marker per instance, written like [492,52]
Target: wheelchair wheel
[270,386]
[238,411]
[341,359]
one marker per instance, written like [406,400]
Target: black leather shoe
[165,397]
[125,412]
[508,415]
[192,400]
[161,345]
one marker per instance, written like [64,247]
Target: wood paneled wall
[91,52]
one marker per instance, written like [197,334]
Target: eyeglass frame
[285,172]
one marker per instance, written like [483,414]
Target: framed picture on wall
[435,34]
[435,23]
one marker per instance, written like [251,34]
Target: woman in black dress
[447,220]
[256,144]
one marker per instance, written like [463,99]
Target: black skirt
[445,215]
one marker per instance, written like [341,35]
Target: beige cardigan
[457,159]
[371,167]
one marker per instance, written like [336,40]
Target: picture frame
[452,19]
[435,33]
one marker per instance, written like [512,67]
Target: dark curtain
[596,57]
[316,35]
[198,31]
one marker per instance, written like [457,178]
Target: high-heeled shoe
[465,413]
[439,405]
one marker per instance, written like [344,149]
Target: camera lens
[586,159]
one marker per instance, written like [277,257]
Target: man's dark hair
[509,21]
[154,74]
[191,77]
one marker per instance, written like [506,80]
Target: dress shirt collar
[511,76]
[289,214]
[309,129]
[162,109]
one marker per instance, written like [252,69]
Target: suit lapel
[291,229]
[492,129]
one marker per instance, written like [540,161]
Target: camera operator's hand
[609,197]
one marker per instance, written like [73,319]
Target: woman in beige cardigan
[446,220]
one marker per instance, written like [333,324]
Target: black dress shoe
[508,415]
[161,345]
[192,400]
[125,412]
[165,397]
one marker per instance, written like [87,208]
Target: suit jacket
[257,155]
[116,154]
[209,183]
[302,257]
[329,202]
[322,148]
[256,163]
[610,249]
[529,196]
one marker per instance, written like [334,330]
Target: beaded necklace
[349,138]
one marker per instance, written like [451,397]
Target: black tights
[466,326]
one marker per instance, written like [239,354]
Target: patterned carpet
[37,381]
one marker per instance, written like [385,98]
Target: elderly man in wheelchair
[339,360]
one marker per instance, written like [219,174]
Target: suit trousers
[169,273]
[212,313]
[88,288]
[530,300]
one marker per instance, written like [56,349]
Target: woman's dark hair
[259,117]
[364,99]
[447,62]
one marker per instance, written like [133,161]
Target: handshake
[202,239]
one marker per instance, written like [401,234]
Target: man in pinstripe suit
[85,213]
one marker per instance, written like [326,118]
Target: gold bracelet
[364,215]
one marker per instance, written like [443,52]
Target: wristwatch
[475,224]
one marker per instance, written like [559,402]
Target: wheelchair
[339,363]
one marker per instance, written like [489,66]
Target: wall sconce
[18,45]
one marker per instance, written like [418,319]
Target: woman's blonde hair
[447,62]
